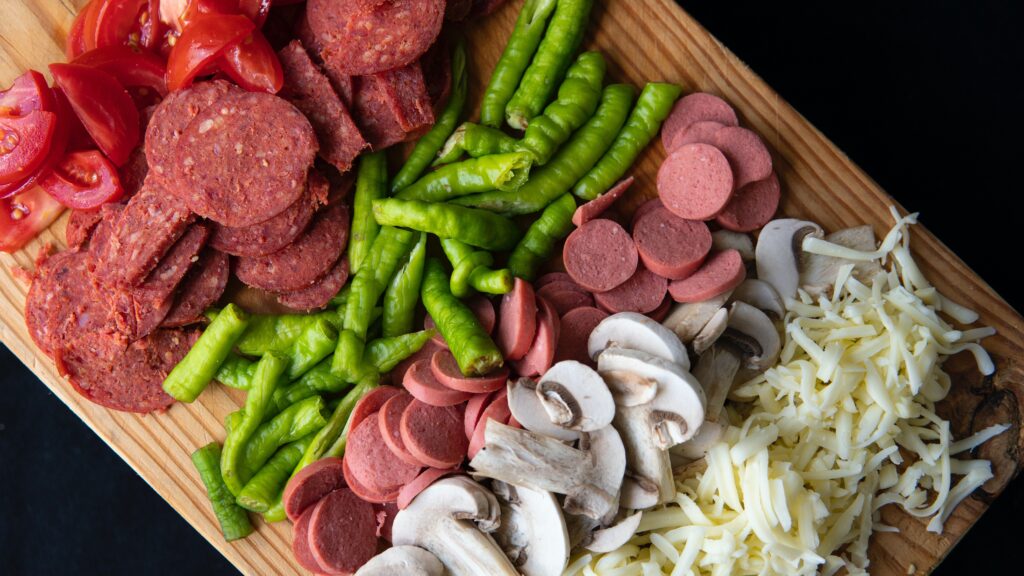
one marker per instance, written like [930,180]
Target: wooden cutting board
[643,40]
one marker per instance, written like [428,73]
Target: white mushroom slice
[637,332]
[612,538]
[760,295]
[716,370]
[450,519]
[754,332]
[777,253]
[580,528]
[722,240]
[639,493]
[590,477]
[818,272]
[697,447]
[403,561]
[648,464]
[576,397]
[711,331]
[533,533]
[525,404]
[687,319]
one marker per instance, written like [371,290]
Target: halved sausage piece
[498,411]
[371,404]
[696,132]
[372,464]
[390,421]
[421,483]
[518,320]
[342,532]
[600,255]
[593,209]
[752,206]
[425,387]
[447,372]
[696,107]
[542,352]
[720,273]
[311,484]
[576,328]
[746,152]
[434,434]
[695,182]
[670,246]
[642,293]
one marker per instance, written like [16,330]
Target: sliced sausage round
[576,328]
[385,513]
[698,132]
[696,107]
[642,293]
[752,206]
[172,116]
[311,484]
[425,387]
[498,411]
[542,351]
[390,421]
[319,294]
[425,353]
[659,313]
[474,409]
[447,372]
[600,255]
[81,223]
[566,300]
[373,464]
[593,209]
[371,404]
[421,483]
[670,246]
[721,272]
[364,492]
[552,277]
[434,435]
[201,288]
[746,152]
[342,532]
[300,543]
[517,322]
[695,182]
[644,209]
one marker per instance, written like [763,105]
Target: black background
[923,95]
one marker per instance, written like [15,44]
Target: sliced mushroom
[778,250]
[403,561]
[641,493]
[818,272]
[722,240]
[525,404]
[637,332]
[711,331]
[580,528]
[590,477]
[760,295]
[687,319]
[451,519]
[576,397]
[533,532]
[716,370]
[697,447]
[612,538]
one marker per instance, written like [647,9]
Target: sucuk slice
[482,308]
[447,372]
[51,297]
[319,294]
[267,237]
[542,351]
[552,277]
[752,206]
[643,292]
[498,411]
[244,160]
[644,208]
[407,96]
[596,207]
[746,152]
[517,323]
[312,483]
[434,435]
[670,246]
[373,113]
[300,543]
[80,225]
[385,514]
[721,272]
[576,328]
[342,532]
[422,384]
[371,404]
[474,409]
[426,353]
[697,132]
[373,464]
[600,255]
[300,264]
[201,288]
[659,313]
[170,119]
[696,107]
[695,182]
[364,492]
[421,483]
[390,421]
[566,300]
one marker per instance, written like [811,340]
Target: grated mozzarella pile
[844,425]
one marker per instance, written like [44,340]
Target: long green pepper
[554,223]
[234,522]
[403,292]
[278,333]
[265,487]
[317,342]
[318,380]
[371,183]
[471,270]
[294,422]
[475,227]
[494,172]
[236,372]
[199,366]
[386,353]
[476,141]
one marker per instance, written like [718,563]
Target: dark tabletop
[923,95]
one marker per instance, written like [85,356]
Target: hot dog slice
[696,132]
[300,544]
[371,404]
[342,532]
[434,434]
[696,107]
[695,182]
[721,272]
[498,411]
[518,322]
[425,387]
[746,152]
[390,421]
[474,409]
[642,293]
[311,484]
[373,465]
[670,246]
[752,206]
[600,255]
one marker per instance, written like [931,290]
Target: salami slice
[340,81]
[319,294]
[374,114]
[407,97]
[60,291]
[600,255]
[172,116]
[81,223]
[200,289]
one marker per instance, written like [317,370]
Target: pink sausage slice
[722,272]
[447,372]
[600,255]
[561,286]
[342,532]
[482,309]
[390,421]
[371,404]
[644,208]
[593,209]
[752,206]
[518,320]
[746,153]
[696,107]
[642,293]
[696,132]
[542,351]
[474,409]
[434,434]
[425,387]
[311,484]
[364,493]
[372,463]
[300,543]
[670,246]
[421,483]
[576,328]
[425,353]
[659,313]
[566,300]
[498,411]
[695,182]
[552,277]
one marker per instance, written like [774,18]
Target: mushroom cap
[722,240]
[613,537]
[527,408]
[639,494]
[532,524]
[697,447]
[754,336]
[403,561]
[687,319]
[576,397]
[760,295]
[637,332]
[778,250]
[711,331]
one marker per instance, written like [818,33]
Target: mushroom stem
[715,370]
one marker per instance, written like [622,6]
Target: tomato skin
[118,21]
[254,65]
[24,216]
[83,180]
[82,34]
[28,92]
[131,66]
[104,107]
[204,39]
[24,144]
[256,10]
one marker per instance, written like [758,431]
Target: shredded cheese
[844,425]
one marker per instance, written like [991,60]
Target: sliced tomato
[132,66]
[24,216]
[28,92]
[82,35]
[153,27]
[197,7]
[120,22]
[255,10]
[254,65]
[104,107]
[204,39]
[78,136]
[24,144]
[83,180]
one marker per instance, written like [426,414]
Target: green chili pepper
[471,270]
[403,292]
[577,101]
[234,522]
[561,40]
[494,172]
[318,380]
[276,512]
[389,248]
[269,371]
[526,36]
[336,425]
[236,372]
[294,422]
[278,333]
[341,297]
[432,141]
[266,486]
[578,156]
[476,141]
[554,223]
[386,353]
[199,366]
[475,227]
[652,107]
[347,362]
[317,342]
[472,347]
[371,183]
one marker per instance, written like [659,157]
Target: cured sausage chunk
[593,209]
[720,273]
[447,372]
[746,152]
[318,295]
[752,206]
[311,484]
[518,320]
[81,223]
[373,464]
[600,255]
[366,37]
[670,246]
[342,532]
[170,119]
[695,182]
[303,262]
[54,296]
[642,293]
[244,160]
[696,107]
[542,352]
[202,287]
[576,328]
[408,97]
[434,435]
[391,106]
[389,418]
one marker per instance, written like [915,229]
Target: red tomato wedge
[24,144]
[204,39]
[132,66]
[104,107]
[120,22]
[256,10]
[24,216]
[82,180]
[28,92]
[254,65]
[78,137]
[82,35]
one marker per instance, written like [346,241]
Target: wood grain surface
[643,40]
